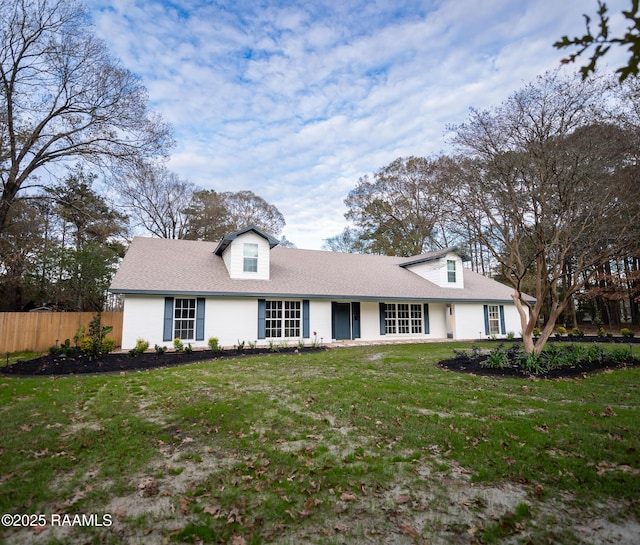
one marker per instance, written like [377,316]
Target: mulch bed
[473,365]
[122,361]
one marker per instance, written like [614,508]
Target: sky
[297,100]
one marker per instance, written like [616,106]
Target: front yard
[353,445]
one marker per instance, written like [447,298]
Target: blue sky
[297,100]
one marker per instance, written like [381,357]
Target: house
[246,288]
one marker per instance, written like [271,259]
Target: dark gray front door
[341,321]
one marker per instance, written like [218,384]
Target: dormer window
[250,254]
[451,271]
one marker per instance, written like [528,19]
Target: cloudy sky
[296,100]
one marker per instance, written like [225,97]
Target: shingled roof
[186,267]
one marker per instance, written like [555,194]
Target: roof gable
[228,239]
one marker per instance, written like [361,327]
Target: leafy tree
[81,263]
[63,97]
[398,211]
[541,176]
[601,42]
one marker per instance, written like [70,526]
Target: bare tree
[63,97]
[156,199]
[245,208]
[540,178]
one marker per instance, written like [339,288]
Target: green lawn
[353,445]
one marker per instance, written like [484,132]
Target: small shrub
[177,344]
[252,344]
[561,330]
[536,332]
[79,335]
[626,332]
[511,335]
[214,344]
[497,359]
[140,348]
[273,346]
[240,345]
[601,332]
[160,350]
[575,332]
[300,344]
[188,349]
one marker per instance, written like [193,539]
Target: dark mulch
[473,365]
[122,361]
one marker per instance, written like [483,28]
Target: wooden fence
[37,331]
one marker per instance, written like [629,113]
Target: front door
[345,321]
[341,321]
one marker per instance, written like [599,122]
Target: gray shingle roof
[164,266]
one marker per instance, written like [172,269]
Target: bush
[536,332]
[575,332]
[177,345]
[214,344]
[140,348]
[160,350]
[497,359]
[626,332]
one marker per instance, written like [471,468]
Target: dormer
[246,253]
[443,268]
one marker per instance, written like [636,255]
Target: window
[184,319]
[250,255]
[403,318]
[494,319]
[451,271]
[283,319]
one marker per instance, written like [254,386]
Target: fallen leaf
[402,499]
[184,505]
[347,496]
[212,509]
[408,530]
[339,527]
[237,540]
[25,427]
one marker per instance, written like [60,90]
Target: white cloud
[296,101]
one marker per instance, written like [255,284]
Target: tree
[349,241]
[542,177]
[245,208]
[602,41]
[156,198]
[63,97]
[88,248]
[207,216]
[398,211]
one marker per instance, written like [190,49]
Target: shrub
[188,349]
[536,332]
[626,332]
[177,344]
[561,330]
[240,345]
[214,344]
[140,348]
[160,350]
[497,359]
[575,332]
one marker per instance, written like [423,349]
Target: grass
[343,446]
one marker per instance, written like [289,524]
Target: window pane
[250,255]
[390,318]
[403,318]
[451,271]
[494,319]
[416,318]
[184,319]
